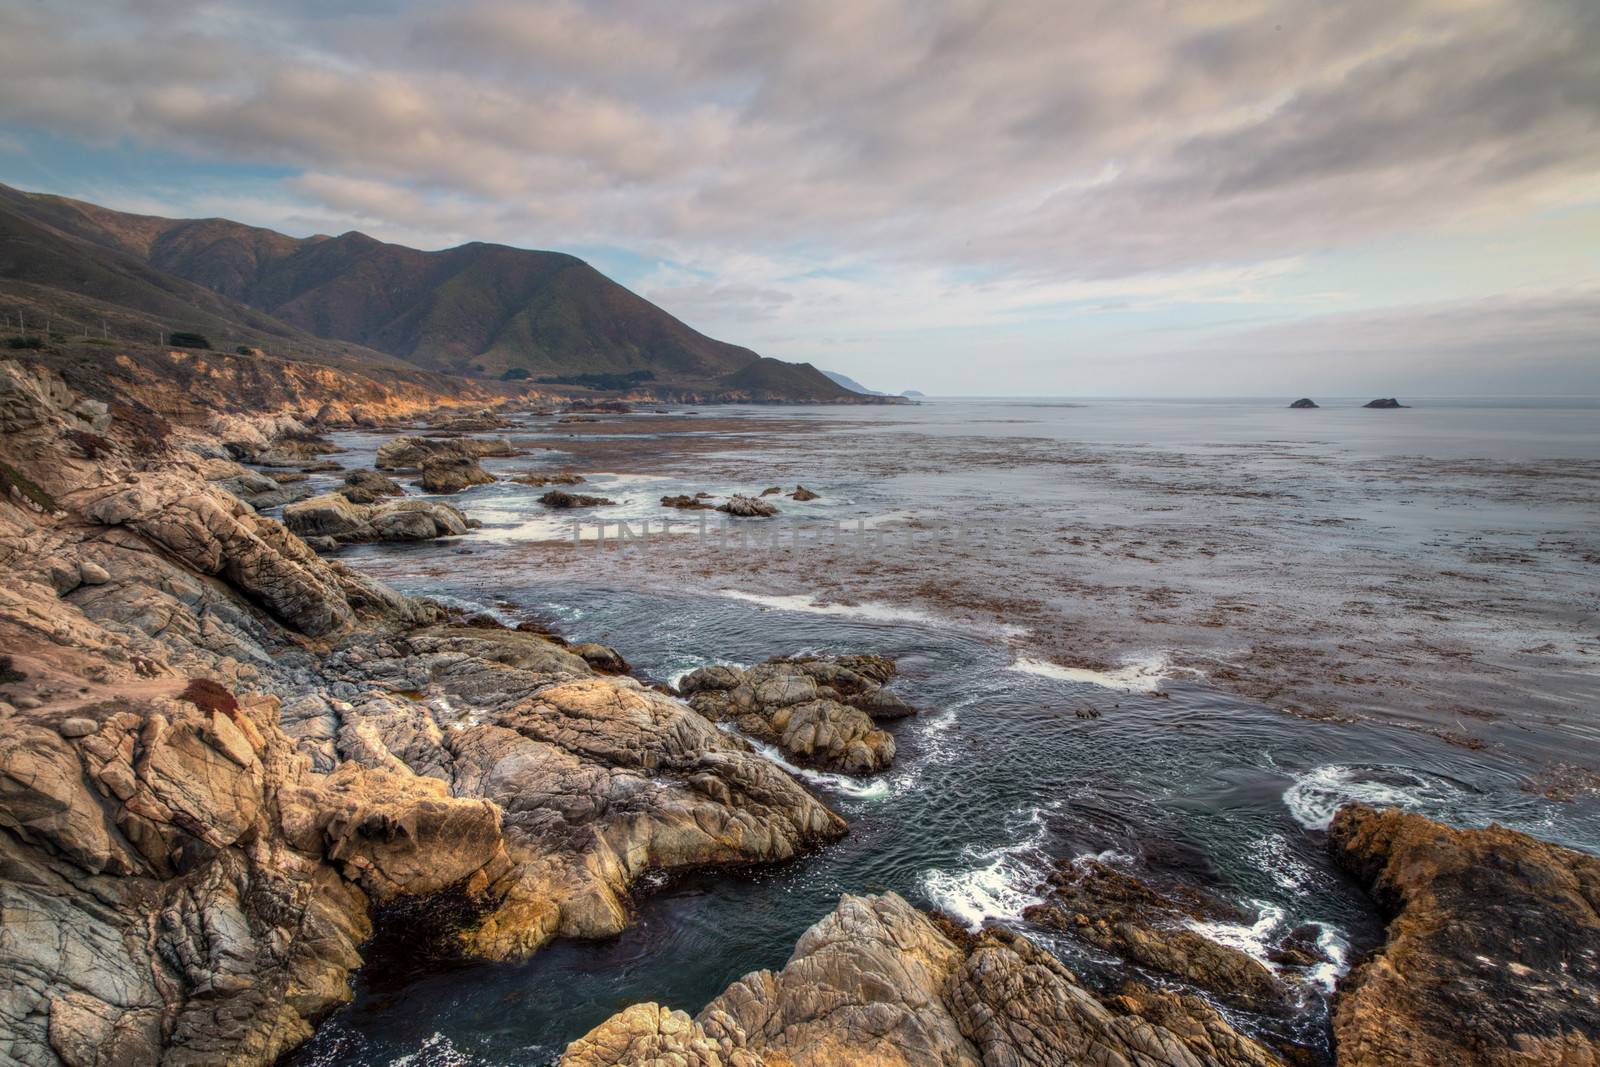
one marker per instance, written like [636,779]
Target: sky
[1004,197]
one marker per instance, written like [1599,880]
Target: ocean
[1174,635]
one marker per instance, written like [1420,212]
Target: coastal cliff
[220,750]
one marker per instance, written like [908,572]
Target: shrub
[146,425]
[515,374]
[615,382]
[11,478]
[188,340]
[25,342]
[207,695]
[92,445]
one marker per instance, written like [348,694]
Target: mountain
[477,310]
[850,383]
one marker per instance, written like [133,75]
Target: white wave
[1253,940]
[870,789]
[871,612]
[1142,674]
[1334,946]
[437,1049]
[1000,884]
[1275,855]
[1317,795]
[694,663]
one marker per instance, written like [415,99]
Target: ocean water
[1002,641]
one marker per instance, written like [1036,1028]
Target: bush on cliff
[189,340]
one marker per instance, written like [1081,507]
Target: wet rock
[410,453]
[878,982]
[1492,954]
[802,494]
[819,711]
[1383,402]
[474,422]
[368,487]
[1304,402]
[772,490]
[602,658]
[451,474]
[335,516]
[1124,915]
[748,507]
[260,491]
[558,498]
[686,503]
[542,480]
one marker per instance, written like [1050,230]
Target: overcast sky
[1055,197]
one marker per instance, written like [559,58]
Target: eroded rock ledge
[821,712]
[218,749]
[1493,949]
[878,982]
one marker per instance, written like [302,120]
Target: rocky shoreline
[219,751]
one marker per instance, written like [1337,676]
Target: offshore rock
[748,507]
[410,453]
[334,515]
[1493,949]
[558,498]
[819,711]
[451,474]
[368,487]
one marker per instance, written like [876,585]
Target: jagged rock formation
[878,982]
[412,453]
[368,487]
[819,711]
[451,474]
[1383,402]
[1132,919]
[1493,948]
[748,507]
[216,748]
[561,499]
[335,516]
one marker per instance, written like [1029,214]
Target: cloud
[996,157]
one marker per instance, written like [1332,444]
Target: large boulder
[179,889]
[368,487]
[878,982]
[216,534]
[410,453]
[1492,955]
[335,516]
[748,507]
[819,711]
[561,499]
[451,474]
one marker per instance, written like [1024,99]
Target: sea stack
[1384,402]
[1304,402]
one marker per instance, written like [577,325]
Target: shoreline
[277,743]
